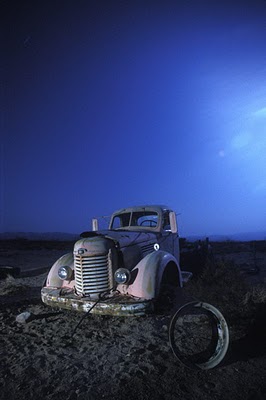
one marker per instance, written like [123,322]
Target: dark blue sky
[109,104]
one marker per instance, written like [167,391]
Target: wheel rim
[199,335]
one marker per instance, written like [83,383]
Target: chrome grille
[93,274]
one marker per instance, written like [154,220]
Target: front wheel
[199,335]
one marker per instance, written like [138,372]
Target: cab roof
[156,207]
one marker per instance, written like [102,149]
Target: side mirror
[95,225]
[173,222]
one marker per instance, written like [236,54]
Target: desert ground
[129,358]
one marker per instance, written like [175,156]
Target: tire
[199,335]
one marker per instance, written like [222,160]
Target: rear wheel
[199,335]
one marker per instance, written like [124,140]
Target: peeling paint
[118,305]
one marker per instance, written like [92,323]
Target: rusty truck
[119,270]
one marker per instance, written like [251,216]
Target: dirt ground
[118,357]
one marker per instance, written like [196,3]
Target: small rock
[23,317]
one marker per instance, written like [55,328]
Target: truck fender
[53,278]
[150,273]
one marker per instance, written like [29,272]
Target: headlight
[122,275]
[65,273]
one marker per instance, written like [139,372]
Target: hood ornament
[81,251]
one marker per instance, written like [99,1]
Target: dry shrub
[257,295]
[11,286]
[221,285]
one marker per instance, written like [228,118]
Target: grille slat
[98,270]
[93,274]
[86,262]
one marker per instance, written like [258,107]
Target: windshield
[135,219]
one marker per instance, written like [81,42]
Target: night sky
[109,104]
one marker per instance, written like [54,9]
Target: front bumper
[117,304]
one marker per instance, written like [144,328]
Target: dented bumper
[117,304]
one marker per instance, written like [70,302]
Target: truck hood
[133,245]
[124,238]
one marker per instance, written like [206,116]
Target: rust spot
[118,305]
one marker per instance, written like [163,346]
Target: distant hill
[39,235]
[243,237]
[250,236]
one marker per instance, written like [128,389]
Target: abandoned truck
[120,270]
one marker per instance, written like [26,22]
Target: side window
[121,221]
[116,222]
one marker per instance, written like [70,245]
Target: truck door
[169,241]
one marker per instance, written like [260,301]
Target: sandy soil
[111,358]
